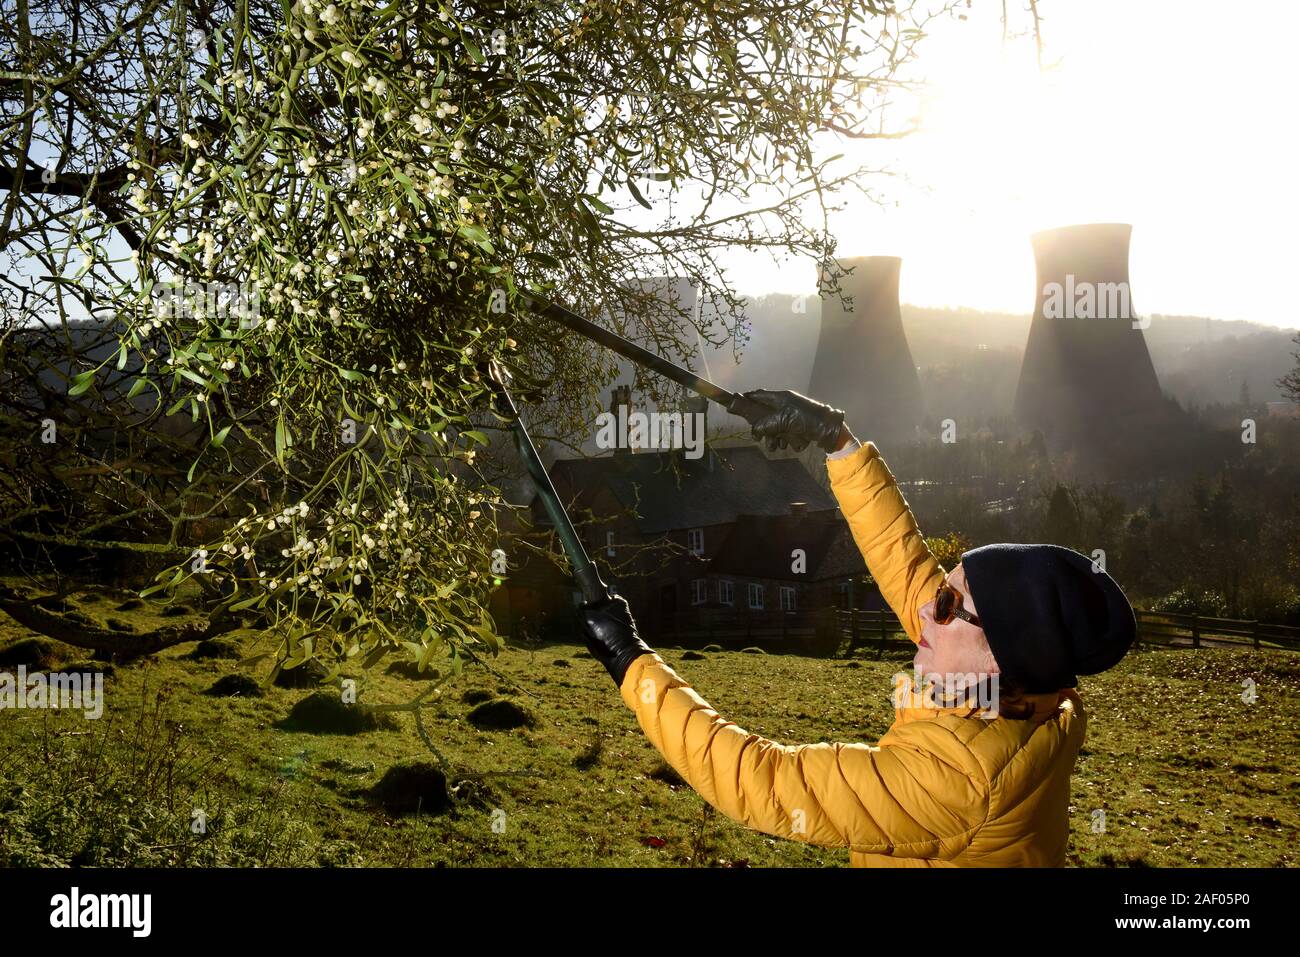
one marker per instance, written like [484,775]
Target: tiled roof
[761,546]
[666,491]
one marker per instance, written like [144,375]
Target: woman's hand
[796,421]
[611,636]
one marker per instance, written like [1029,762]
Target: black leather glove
[795,421]
[611,636]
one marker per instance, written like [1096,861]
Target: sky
[1177,117]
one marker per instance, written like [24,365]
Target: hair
[1012,701]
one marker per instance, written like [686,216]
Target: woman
[948,785]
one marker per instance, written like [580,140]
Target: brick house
[730,546]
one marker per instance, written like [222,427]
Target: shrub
[1189,601]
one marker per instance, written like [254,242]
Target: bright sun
[1147,113]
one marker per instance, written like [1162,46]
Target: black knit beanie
[1048,616]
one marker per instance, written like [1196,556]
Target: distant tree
[1290,383]
[948,549]
[1037,446]
[1228,527]
[1063,524]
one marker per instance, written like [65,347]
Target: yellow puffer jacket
[943,788]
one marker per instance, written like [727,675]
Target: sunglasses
[947,606]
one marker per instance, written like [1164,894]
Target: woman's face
[957,648]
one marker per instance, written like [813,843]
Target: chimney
[863,363]
[620,407]
[694,405]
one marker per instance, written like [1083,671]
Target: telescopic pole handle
[584,571]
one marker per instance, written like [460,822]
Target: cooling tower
[1087,374]
[863,364]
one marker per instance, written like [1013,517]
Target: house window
[699,591]
[609,544]
[755,596]
[787,598]
[726,593]
[695,541]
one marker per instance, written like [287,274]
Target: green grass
[1186,773]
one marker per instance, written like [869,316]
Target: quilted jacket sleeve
[885,531]
[921,793]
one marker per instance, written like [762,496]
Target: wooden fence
[734,624]
[1156,628]
[809,631]
[818,631]
[1199,631]
[880,629]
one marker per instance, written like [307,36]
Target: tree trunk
[31,615]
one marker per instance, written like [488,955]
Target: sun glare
[1137,109]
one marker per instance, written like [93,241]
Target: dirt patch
[327,713]
[210,648]
[410,670]
[235,686]
[32,652]
[412,787]
[501,714]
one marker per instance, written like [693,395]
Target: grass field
[1186,772]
